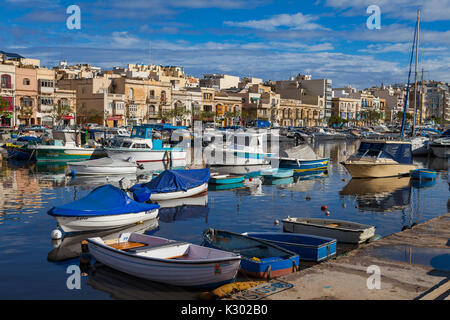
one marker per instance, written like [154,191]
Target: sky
[267,39]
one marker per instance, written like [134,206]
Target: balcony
[47,90]
[46,108]
[153,99]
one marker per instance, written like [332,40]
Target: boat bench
[148,247]
[259,246]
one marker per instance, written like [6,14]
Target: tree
[399,117]
[373,116]
[60,111]
[4,108]
[26,112]
[179,114]
[336,120]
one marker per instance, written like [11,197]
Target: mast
[415,74]
[405,108]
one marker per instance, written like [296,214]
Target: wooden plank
[127,245]
[437,292]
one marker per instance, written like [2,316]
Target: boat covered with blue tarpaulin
[105,207]
[172,184]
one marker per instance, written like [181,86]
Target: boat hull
[207,273]
[82,168]
[144,156]
[179,194]
[308,247]
[358,234]
[300,166]
[371,170]
[422,174]
[58,154]
[226,180]
[92,223]
[440,150]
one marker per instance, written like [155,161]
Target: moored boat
[226,178]
[103,166]
[166,261]
[308,247]
[342,231]
[441,146]
[380,158]
[260,259]
[106,207]
[172,184]
[423,174]
[277,173]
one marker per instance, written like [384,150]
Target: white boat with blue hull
[166,261]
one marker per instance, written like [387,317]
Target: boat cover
[29,139]
[170,181]
[103,201]
[400,152]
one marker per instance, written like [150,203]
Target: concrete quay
[413,264]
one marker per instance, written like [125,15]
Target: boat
[441,146]
[59,151]
[145,145]
[106,207]
[260,259]
[301,159]
[277,173]
[423,174]
[226,187]
[217,178]
[166,261]
[18,149]
[308,247]
[242,149]
[172,184]
[342,231]
[327,134]
[380,158]
[103,166]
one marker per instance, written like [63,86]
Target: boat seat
[259,246]
[148,247]
[127,245]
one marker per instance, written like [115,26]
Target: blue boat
[260,259]
[277,173]
[423,174]
[226,179]
[300,166]
[172,184]
[308,247]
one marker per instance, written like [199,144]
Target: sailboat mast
[415,74]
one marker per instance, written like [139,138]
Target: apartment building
[7,91]
[219,81]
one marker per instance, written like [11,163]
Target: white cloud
[296,21]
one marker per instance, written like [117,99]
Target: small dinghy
[308,247]
[277,173]
[102,166]
[423,174]
[106,207]
[342,231]
[172,184]
[166,261]
[260,259]
[226,178]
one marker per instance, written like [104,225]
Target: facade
[347,108]
[26,95]
[219,81]
[7,92]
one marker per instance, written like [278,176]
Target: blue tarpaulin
[170,181]
[400,152]
[102,201]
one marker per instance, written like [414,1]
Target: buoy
[308,198]
[250,179]
[276,222]
[56,234]
[323,208]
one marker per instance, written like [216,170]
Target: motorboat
[380,158]
[441,146]
[145,145]
[103,166]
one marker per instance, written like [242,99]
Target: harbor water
[35,267]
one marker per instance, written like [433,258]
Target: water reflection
[70,246]
[379,195]
[182,209]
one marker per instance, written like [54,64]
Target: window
[46,83]
[131,94]
[151,109]
[47,101]
[6,81]
[152,93]
[26,82]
